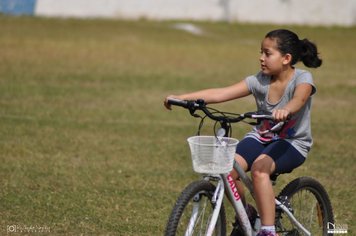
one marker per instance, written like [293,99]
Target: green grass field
[86,147]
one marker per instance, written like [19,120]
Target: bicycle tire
[199,193]
[305,196]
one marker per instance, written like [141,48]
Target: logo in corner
[336,228]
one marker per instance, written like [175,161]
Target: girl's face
[272,61]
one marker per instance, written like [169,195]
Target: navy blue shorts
[285,156]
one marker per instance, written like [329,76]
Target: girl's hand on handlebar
[281,114]
[165,102]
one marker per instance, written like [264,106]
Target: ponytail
[309,54]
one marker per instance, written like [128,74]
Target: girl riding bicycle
[286,92]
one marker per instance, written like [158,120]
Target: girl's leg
[261,170]
[247,150]
[240,188]
[280,157]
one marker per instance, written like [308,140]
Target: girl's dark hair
[301,50]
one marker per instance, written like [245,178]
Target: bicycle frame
[237,204]
[226,183]
[231,190]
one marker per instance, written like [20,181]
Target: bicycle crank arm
[292,218]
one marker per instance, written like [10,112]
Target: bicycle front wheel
[193,210]
[309,203]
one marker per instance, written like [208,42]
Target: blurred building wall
[310,12]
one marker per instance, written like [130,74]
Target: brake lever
[277,127]
[257,116]
[274,129]
[192,112]
[194,105]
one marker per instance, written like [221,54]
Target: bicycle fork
[225,183]
[216,200]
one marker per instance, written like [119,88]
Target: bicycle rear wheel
[309,203]
[193,210]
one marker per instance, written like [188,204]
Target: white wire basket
[212,155]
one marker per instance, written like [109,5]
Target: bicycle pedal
[252,216]
[285,201]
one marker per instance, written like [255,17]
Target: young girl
[285,91]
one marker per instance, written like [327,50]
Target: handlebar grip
[177,102]
[267,117]
[257,115]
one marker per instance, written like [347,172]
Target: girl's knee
[259,174]
[262,167]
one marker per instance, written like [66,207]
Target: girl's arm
[300,97]
[215,95]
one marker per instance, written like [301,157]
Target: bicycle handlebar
[201,105]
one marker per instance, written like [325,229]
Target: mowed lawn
[86,147]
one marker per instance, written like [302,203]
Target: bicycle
[302,207]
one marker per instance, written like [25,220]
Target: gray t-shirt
[297,131]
